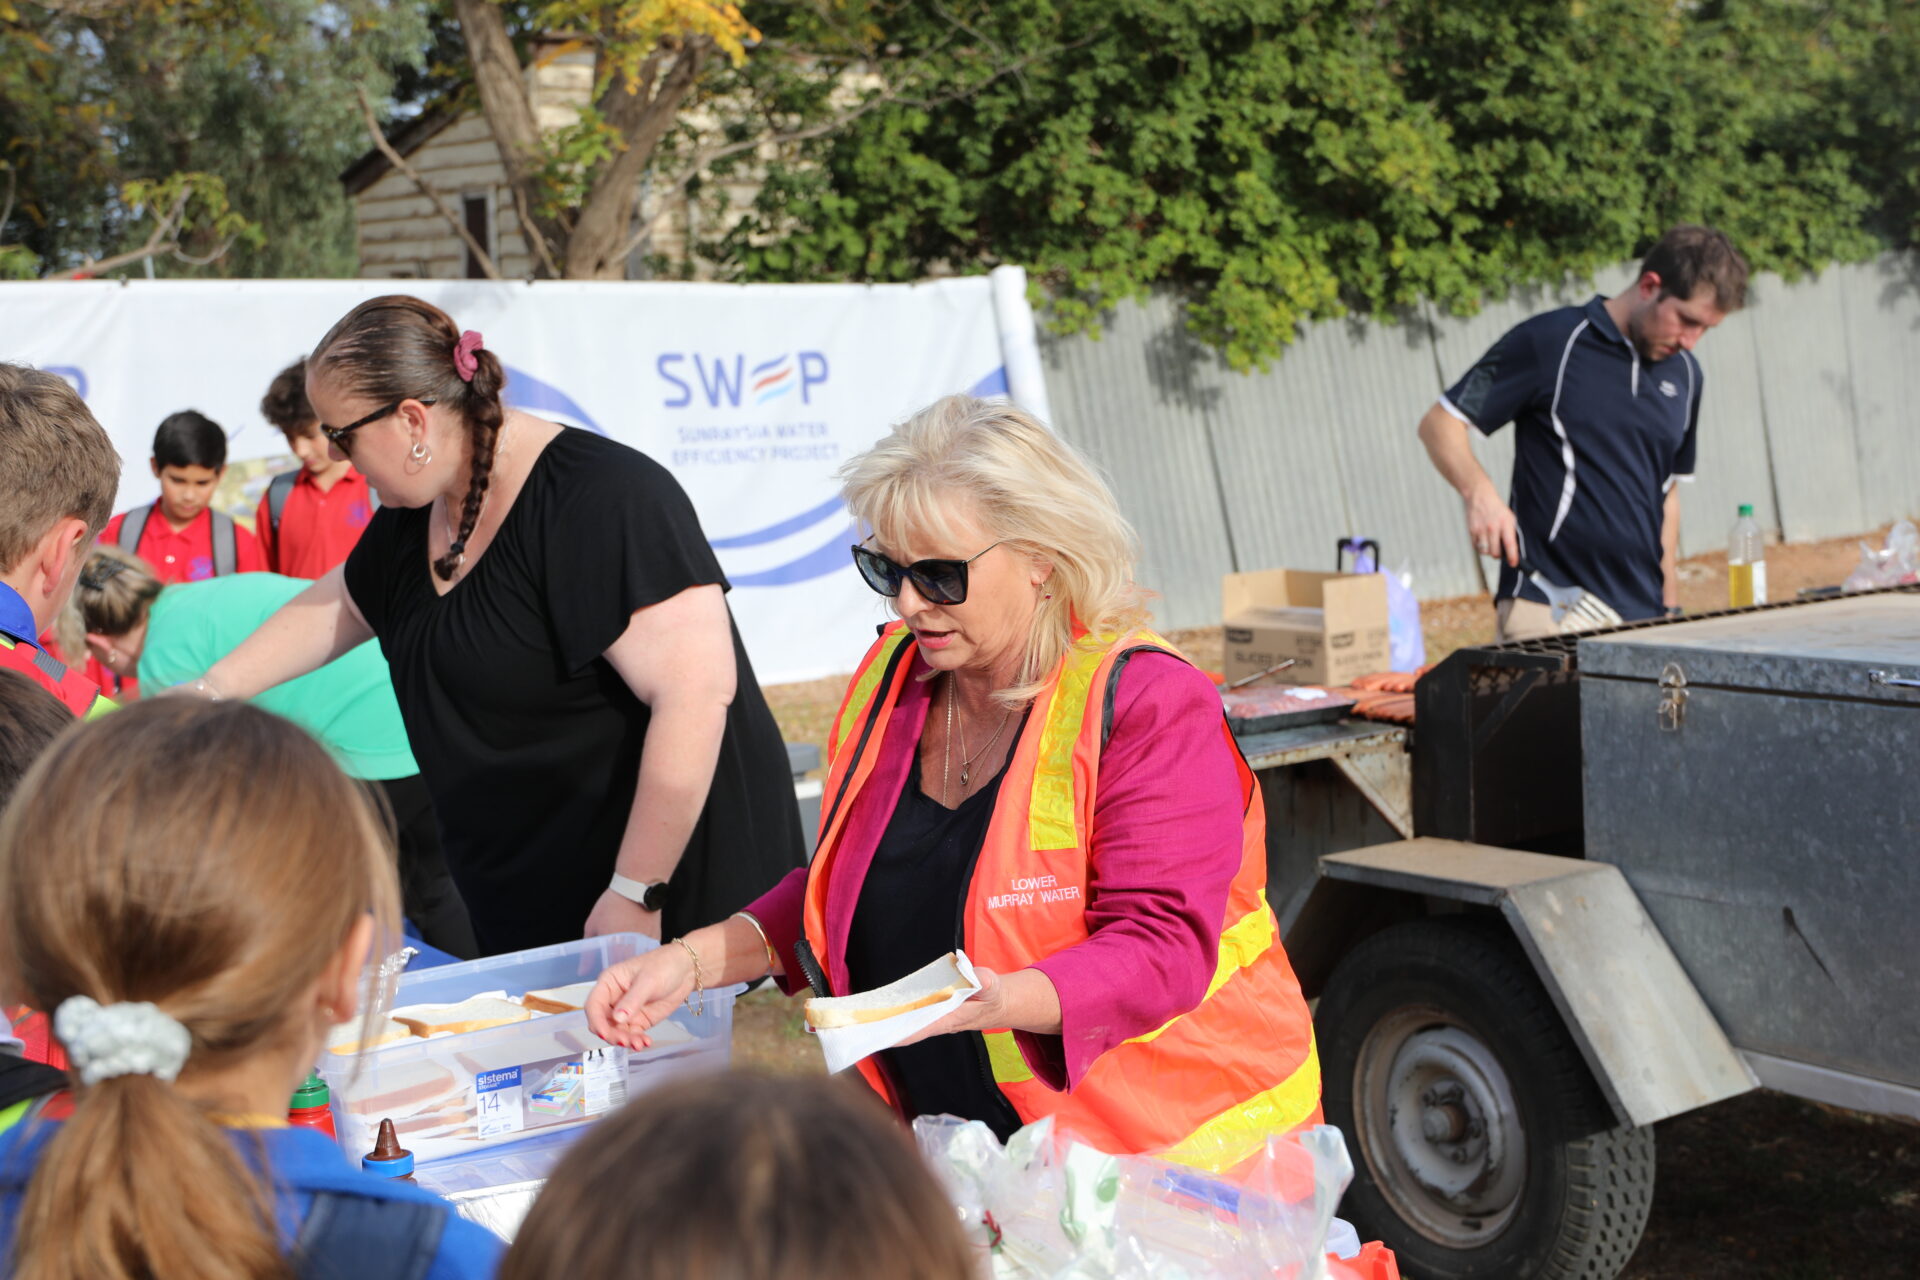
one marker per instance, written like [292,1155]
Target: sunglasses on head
[337,436]
[937,581]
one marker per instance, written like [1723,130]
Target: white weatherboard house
[403,236]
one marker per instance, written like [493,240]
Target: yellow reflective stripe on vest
[1050,809]
[1243,942]
[863,687]
[1238,1132]
[1004,1056]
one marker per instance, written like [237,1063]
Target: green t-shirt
[347,704]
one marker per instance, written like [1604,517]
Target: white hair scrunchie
[132,1039]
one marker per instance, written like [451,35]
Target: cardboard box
[1333,624]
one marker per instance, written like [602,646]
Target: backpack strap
[226,545]
[278,491]
[132,525]
[353,1237]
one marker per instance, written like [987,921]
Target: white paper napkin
[844,1046]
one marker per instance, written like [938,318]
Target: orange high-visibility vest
[1206,1088]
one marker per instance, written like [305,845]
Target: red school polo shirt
[318,528]
[186,555]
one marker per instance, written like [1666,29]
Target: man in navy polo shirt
[1606,399]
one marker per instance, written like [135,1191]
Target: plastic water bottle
[1746,561]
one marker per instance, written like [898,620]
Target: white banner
[751,395]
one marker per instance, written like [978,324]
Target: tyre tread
[1610,1165]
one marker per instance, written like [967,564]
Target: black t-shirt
[909,915]
[528,739]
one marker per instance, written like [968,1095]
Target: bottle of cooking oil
[1746,561]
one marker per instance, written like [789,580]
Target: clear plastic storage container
[453,1095]
[495,1187]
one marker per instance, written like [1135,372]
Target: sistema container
[451,1096]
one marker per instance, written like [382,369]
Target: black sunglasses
[337,436]
[939,581]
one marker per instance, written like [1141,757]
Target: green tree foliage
[1281,161]
[1878,112]
[105,104]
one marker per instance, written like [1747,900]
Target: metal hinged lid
[1854,648]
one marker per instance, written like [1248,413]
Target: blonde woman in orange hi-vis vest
[1021,770]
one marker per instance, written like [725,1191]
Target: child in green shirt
[170,634]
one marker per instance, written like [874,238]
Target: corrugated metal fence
[1811,413]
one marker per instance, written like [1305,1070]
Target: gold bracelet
[773,960]
[699,979]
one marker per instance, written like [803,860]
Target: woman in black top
[573,686]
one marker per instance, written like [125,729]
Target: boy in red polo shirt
[180,535]
[309,519]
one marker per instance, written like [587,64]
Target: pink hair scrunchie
[465,363]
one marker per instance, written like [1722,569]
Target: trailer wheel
[1482,1146]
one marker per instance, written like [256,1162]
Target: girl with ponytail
[194,891]
[599,755]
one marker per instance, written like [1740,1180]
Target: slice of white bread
[346,1039]
[475,1014]
[559,999]
[924,986]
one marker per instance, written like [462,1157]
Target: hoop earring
[420,453]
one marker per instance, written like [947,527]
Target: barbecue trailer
[1647,869]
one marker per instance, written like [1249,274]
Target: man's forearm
[1445,438]
[1670,549]
[1490,521]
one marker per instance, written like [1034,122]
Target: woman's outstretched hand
[637,994]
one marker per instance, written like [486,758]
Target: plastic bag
[1890,566]
[1406,642]
[1047,1208]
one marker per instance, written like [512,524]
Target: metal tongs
[1587,610]
[1258,675]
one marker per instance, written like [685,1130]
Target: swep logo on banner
[740,409]
[723,382]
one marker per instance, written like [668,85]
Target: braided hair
[399,347]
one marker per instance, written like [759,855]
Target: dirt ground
[1764,1187]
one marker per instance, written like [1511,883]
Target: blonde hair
[55,461]
[1029,489]
[116,590]
[762,1178]
[212,859]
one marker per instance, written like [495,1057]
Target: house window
[479,217]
